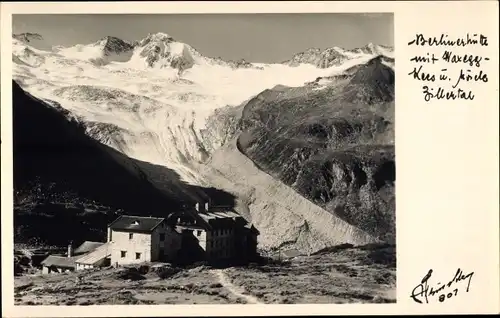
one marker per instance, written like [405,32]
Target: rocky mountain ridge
[332,142]
[336,56]
[162,50]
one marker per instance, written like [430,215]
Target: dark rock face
[356,184]
[371,83]
[334,146]
[115,45]
[27,37]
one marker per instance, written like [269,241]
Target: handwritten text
[444,73]
[425,292]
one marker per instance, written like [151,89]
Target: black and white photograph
[203,158]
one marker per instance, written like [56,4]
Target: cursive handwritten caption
[433,68]
[426,291]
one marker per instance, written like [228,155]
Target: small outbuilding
[99,257]
[58,264]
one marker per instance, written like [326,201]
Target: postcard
[240,158]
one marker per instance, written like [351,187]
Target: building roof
[190,227]
[95,256]
[131,223]
[87,246]
[59,261]
[218,215]
[208,220]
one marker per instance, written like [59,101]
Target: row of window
[216,232]
[123,254]
[222,232]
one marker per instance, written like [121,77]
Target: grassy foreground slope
[343,275]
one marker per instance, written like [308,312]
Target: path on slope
[235,290]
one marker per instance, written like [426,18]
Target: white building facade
[134,239]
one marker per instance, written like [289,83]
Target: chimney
[70,249]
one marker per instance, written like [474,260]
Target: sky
[264,38]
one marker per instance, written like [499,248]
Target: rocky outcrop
[27,37]
[335,56]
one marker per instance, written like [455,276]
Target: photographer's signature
[425,292]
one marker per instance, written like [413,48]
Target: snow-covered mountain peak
[104,51]
[34,40]
[156,38]
[160,50]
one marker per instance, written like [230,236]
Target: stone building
[215,234]
[135,239]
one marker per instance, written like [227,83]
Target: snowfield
[161,108]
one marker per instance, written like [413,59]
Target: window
[137,255]
[130,236]
[123,254]
[162,237]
